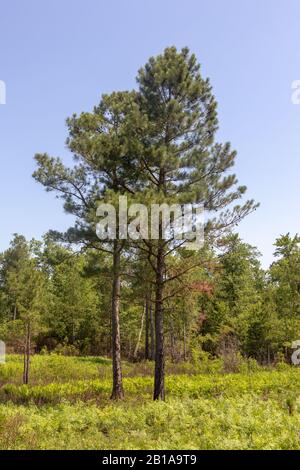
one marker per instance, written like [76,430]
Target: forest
[56,300]
[118,323]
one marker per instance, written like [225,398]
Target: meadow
[67,406]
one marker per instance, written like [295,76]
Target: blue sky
[58,57]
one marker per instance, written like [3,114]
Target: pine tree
[26,287]
[103,146]
[183,164]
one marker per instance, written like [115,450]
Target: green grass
[66,406]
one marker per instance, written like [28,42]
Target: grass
[66,406]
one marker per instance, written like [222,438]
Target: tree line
[55,299]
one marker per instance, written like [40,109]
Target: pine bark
[147,329]
[27,354]
[172,343]
[159,376]
[117,391]
[152,332]
[184,342]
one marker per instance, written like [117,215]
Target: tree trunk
[26,355]
[15,312]
[152,332]
[140,334]
[159,376]
[184,342]
[172,342]
[117,392]
[147,324]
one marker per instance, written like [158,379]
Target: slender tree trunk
[117,392]
[172,342]
[184,342]
[147,324]
[159,376]
[136,350]
[110,337]
[152,331]
[27,355]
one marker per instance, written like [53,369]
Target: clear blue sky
[57,57]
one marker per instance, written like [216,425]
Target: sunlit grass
[67,406]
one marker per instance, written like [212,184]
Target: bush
[66,350]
